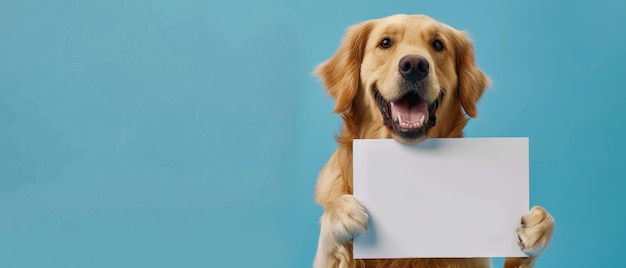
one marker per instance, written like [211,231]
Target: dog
[405,77]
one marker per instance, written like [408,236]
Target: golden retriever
[406,77]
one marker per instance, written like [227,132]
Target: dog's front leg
[343,219]
[535,234]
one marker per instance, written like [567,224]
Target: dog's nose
[413,67]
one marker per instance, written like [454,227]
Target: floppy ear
[472,81]
[341,73]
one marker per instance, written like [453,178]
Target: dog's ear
[471,80]
[341,73]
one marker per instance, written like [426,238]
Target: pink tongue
[409,114]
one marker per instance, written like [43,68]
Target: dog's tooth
[422,119]
[399,119]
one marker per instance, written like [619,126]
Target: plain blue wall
[190,133]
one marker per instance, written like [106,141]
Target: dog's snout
[413,67]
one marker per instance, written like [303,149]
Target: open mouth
[409,116]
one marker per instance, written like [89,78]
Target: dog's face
[407,65]
[405,72]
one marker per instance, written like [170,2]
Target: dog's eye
[385,43]
[437,45]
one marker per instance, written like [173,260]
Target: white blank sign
[442,198]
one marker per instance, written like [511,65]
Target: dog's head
[407,74]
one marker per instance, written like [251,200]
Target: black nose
[413,67]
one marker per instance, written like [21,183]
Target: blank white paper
[442,198]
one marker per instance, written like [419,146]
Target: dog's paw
[347,218]
[535,233]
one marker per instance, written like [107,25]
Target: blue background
[190,133]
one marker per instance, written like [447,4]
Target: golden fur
[360,66]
